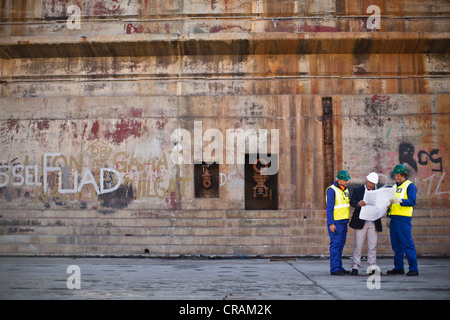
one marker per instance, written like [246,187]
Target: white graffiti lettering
[23,175]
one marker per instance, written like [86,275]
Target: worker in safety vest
[338,214]
[400,213]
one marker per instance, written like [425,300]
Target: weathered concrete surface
[110,94]
[251,279]
[200,44]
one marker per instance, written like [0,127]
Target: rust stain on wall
[123,129]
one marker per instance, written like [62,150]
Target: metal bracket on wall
[206,180]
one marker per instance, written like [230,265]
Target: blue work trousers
[402,242]
[337,243]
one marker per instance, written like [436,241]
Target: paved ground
[253,279]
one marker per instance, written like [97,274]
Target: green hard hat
[400,169]
[343,175]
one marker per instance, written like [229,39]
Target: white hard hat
[372,177]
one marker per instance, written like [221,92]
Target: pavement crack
[313,281]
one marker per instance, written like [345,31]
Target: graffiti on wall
[425,167]
[61,178]
[124,161]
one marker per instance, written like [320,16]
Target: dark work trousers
[337,243]
[402,242]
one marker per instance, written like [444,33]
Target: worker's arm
[412,194]
[330,206]
[354,199]
[357,198]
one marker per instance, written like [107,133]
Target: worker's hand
[361,203]
[396,200]
[332,228]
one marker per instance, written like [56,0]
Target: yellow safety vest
[341,204]
[400,192]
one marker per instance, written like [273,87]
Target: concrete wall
[110,95]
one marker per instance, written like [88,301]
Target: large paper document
[377,202]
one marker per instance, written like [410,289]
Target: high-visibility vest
[400,192]
[341,204]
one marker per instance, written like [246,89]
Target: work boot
[338,273]
[345,271]
[394,271]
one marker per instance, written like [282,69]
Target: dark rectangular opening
[261,191]
[328,152]
[206,180]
